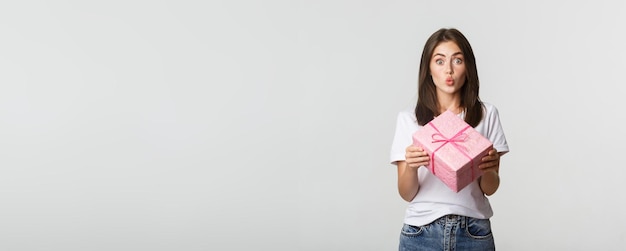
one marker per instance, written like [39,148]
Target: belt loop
[464,220]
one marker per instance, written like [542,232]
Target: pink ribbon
[458,137]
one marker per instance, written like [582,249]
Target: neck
[452,103]
[454,109]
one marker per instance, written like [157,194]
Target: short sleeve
[406,125]
[495,131]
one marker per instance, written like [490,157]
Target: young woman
[438,218]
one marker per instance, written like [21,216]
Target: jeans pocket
[478,228]
[411,231]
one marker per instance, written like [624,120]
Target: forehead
[446,48]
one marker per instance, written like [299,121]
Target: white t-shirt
[434,199]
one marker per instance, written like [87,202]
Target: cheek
[436,77]
[432,69]
[460,77]
[461,74]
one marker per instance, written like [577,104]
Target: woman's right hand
[416,156]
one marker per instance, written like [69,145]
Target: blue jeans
[448,233]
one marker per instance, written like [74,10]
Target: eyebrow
[453,54]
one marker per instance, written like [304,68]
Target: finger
[490,169]
[418,157]
[488,158]
[489,164]
[493,169]
[413,148]
[492,155]
[418,164]
[485,165]
[422,159]
[411,154]
[416,154]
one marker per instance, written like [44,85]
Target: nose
[449,69]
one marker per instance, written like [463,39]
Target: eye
[439,61]
[458,61]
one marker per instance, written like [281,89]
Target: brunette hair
[427,103]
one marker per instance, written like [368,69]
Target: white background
[266,125]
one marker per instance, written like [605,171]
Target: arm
[408,182]
[490,180]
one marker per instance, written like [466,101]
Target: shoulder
[407,116]
[406,121]
[489,106]
[490,109]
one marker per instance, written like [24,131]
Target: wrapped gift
[455,149]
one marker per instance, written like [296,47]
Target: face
[447,68]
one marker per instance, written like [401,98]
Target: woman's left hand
[491,162]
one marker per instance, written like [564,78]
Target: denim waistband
[453,219]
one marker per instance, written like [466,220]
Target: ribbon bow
[454,140]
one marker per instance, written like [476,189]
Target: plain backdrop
[267,125]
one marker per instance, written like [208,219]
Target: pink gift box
[455,149]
